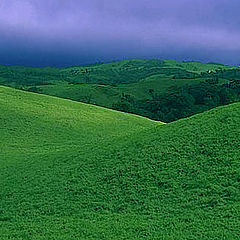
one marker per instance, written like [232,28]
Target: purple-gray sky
[73,32]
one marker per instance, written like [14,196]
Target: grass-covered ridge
[75,171]
[53,119]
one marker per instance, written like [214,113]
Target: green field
[70,170]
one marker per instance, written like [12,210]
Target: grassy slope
[75,171]
[45,114]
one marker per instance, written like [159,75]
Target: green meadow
[71,170]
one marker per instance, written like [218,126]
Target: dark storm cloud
[60,32]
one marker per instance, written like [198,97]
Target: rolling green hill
[160,90]
[75,171]
[107,95]
[121,72]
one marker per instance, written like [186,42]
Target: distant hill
[70,170]
[150,88]
[125,71]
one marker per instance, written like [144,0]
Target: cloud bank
[73,32]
